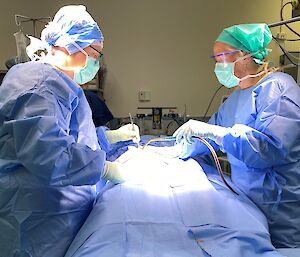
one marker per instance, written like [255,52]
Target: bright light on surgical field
[154,168]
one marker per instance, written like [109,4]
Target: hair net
[71,24]
[250,38]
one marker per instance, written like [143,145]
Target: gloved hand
[200,129]
[124,133]
[189,150]
[114,172]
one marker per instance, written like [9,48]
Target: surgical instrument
[133,129]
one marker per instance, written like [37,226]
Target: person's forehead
[220,47]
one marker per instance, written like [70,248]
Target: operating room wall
[161,46]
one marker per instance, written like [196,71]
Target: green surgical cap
[249,38]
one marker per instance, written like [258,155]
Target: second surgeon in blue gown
[258,127]
[50,159]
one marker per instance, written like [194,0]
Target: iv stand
[19,19]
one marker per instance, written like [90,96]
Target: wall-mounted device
[157,113]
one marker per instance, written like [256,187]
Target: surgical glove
[189,150]
[200,129]
[124,133]
[113,171]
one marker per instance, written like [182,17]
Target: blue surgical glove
[114,172]
[200,129]
[124,133]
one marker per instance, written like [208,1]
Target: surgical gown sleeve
[41,126]
[275,129]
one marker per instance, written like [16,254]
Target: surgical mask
[225,73]
[88,72]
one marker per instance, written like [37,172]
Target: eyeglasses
[225,53]
[100,54]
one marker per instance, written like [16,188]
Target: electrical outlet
[144,96]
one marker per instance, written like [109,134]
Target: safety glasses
[100,54]
[224,54]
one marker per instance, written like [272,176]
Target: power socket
[144,96]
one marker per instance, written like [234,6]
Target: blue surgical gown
[50,161]
[263,148]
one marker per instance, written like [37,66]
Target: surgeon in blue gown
[258,127]
[50,158]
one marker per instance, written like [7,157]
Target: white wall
[157,45]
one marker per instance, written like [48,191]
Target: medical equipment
[157,113]
[21,39]
[156,118]
[21,43]
[19,19]
[141,122]
[136,140]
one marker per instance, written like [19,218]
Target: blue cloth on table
[157,219]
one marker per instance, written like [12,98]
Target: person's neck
[252,81]
[69,73]
[249,82]
[51,60]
